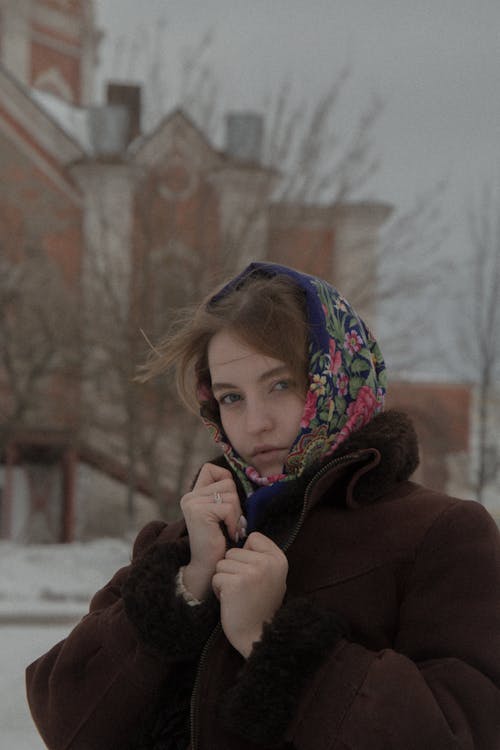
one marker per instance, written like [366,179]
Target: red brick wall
[304,248]
[71,7]
[182,231]
[43,58]
[37,216]
[440,412]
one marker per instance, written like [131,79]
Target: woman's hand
[203,515]
[250,584]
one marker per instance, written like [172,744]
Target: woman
[312,597]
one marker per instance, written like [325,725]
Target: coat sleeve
[438,687]
[95,688]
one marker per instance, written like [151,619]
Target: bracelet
[181,590]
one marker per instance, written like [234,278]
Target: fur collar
[386,451]
[388,448]
[378,456]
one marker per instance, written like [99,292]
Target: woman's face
[259,406]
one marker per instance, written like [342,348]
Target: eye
[282,385]
[229,398]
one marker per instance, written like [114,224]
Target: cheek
[295,412]
[229,425]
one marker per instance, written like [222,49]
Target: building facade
[117,228]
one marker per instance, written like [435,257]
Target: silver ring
[217,498]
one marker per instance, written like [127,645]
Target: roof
[36,133]
[74,121]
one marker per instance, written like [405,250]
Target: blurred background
[147,151]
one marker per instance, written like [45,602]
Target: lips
[268,460]
[266,450]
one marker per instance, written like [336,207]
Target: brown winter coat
[389,636]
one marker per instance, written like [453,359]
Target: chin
[274,465]
[270,471]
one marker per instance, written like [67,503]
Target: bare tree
[476,326]
[38,326]
[410,268]
[304,162]
[307,158]
[127,304]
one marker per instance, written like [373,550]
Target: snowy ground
[44,590]
[21,644]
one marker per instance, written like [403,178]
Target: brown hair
[266,313]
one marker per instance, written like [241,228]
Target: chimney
[244,135]
[129,97]
[109,128]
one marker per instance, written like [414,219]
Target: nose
[259,417]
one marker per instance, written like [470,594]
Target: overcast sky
[435,64]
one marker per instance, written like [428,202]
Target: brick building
[132,218]
[51,45]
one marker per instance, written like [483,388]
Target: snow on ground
[21,644]
[56,579]
[44,590]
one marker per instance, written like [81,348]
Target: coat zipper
[335,462]
[196,688]
[215,632]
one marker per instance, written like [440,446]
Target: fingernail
[243,526]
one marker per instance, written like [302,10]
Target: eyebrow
[267,375]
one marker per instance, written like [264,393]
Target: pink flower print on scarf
[336,357]
[353,342]
[347,380]
[360,411]
[309,409]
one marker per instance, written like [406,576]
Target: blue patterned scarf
[347,384]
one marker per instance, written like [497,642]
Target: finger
[229,498]
[224,486]
[216,588]
[216,498]
[260,543]
[231,567]
[242,526]
[242,555]
[211,473]
[222,493]
[218,581]
[227,512]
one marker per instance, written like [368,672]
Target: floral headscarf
[347,381]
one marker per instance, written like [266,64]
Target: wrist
[196,581]
[182,591]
